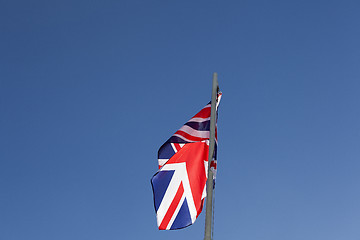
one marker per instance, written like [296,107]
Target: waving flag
[179,187]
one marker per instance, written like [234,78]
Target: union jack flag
[179,186]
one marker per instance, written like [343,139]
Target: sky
[89,91]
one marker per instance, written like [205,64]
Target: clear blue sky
[89,90]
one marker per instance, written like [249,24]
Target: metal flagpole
[209,183]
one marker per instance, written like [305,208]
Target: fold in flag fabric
[179,186]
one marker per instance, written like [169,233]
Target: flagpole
[209,183]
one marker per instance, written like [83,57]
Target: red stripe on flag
[204,113]
[172,208]
[213,164]
[177,146]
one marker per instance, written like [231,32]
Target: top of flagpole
[215,82]
[214,96]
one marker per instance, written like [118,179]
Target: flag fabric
[179,186]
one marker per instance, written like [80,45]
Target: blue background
[89,90]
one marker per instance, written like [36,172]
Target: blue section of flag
[183,218]
[200,126]
[175,139]
[160,182]
[166,152]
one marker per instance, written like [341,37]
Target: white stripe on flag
[197,119]
[194,133]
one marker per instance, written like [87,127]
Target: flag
[179,186]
